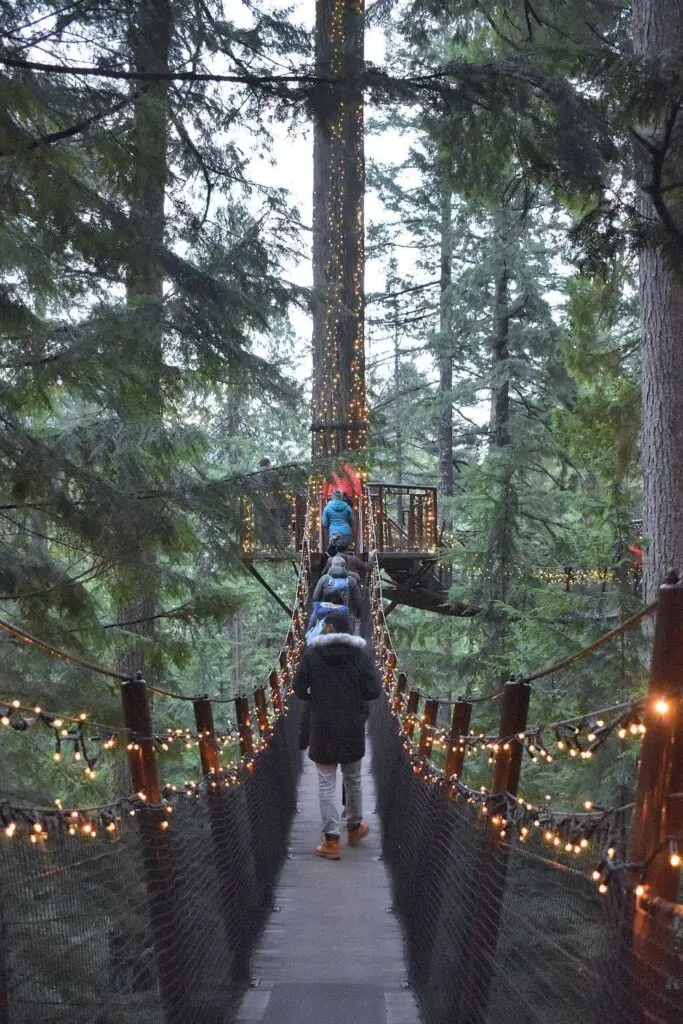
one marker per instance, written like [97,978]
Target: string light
[568,832]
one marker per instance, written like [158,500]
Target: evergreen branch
[91,573]
[407,391]
[655,187]
[75,129]
[386,296]
[246,78]
[45,536]
[169,613]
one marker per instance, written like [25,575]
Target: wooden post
[411,711]
[379,517]
[460,726]
[431,519]
[247,520]
[401,687]
[421,539]
[411,524]
[429,714]
[507,762]
[658,816]
[167,935]
[262,712]
[491,870]
[244,725]
[208,746]
[389,669]
[274,684]
[284,669]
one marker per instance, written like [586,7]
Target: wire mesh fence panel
[505,932]
[77,929]
[156,921]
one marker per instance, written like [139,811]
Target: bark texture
[445,345]
[657,32]
[499,423]
[150,40]
[339,404]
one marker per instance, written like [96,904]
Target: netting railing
[149,925]
[518,913]
[149,908]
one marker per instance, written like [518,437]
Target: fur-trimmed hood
[337,640]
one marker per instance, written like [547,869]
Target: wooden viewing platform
[332,951]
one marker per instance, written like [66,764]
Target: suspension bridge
[468,905]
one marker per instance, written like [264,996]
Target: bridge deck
[332,953]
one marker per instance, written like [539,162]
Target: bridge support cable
[503,918]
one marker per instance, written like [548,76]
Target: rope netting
[149,923]
[514,912]
[148,908]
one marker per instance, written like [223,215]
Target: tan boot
[329,848]
[357,832]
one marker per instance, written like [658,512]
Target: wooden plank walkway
[332,952]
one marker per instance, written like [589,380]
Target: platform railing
[404,517]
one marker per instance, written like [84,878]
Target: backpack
[320,610]
[337,589]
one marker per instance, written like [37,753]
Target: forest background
[153,313]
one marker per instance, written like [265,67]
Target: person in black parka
[337,676]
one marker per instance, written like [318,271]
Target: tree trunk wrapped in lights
[339,404]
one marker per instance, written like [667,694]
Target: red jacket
[347,481]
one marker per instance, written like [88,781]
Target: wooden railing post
[428,719]
[460,726]
[491,871]
[208,746]
[658,814]
[284,669]
[379,518]
[432,515]
[261,712]
[401,687]
[411,712]
[167,934]
[244,725]
[389,668]
[275,694]
[411,524]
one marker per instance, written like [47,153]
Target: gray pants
[327,791]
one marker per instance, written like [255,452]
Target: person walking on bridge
[337,518]
[337,676]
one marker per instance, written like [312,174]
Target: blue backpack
[339,586]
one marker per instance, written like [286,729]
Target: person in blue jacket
[338,518]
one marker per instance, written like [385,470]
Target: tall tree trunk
[499,439]
[398,414]
[339,403]
[445,343]
[499,422]
[658,30]
[150,40]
